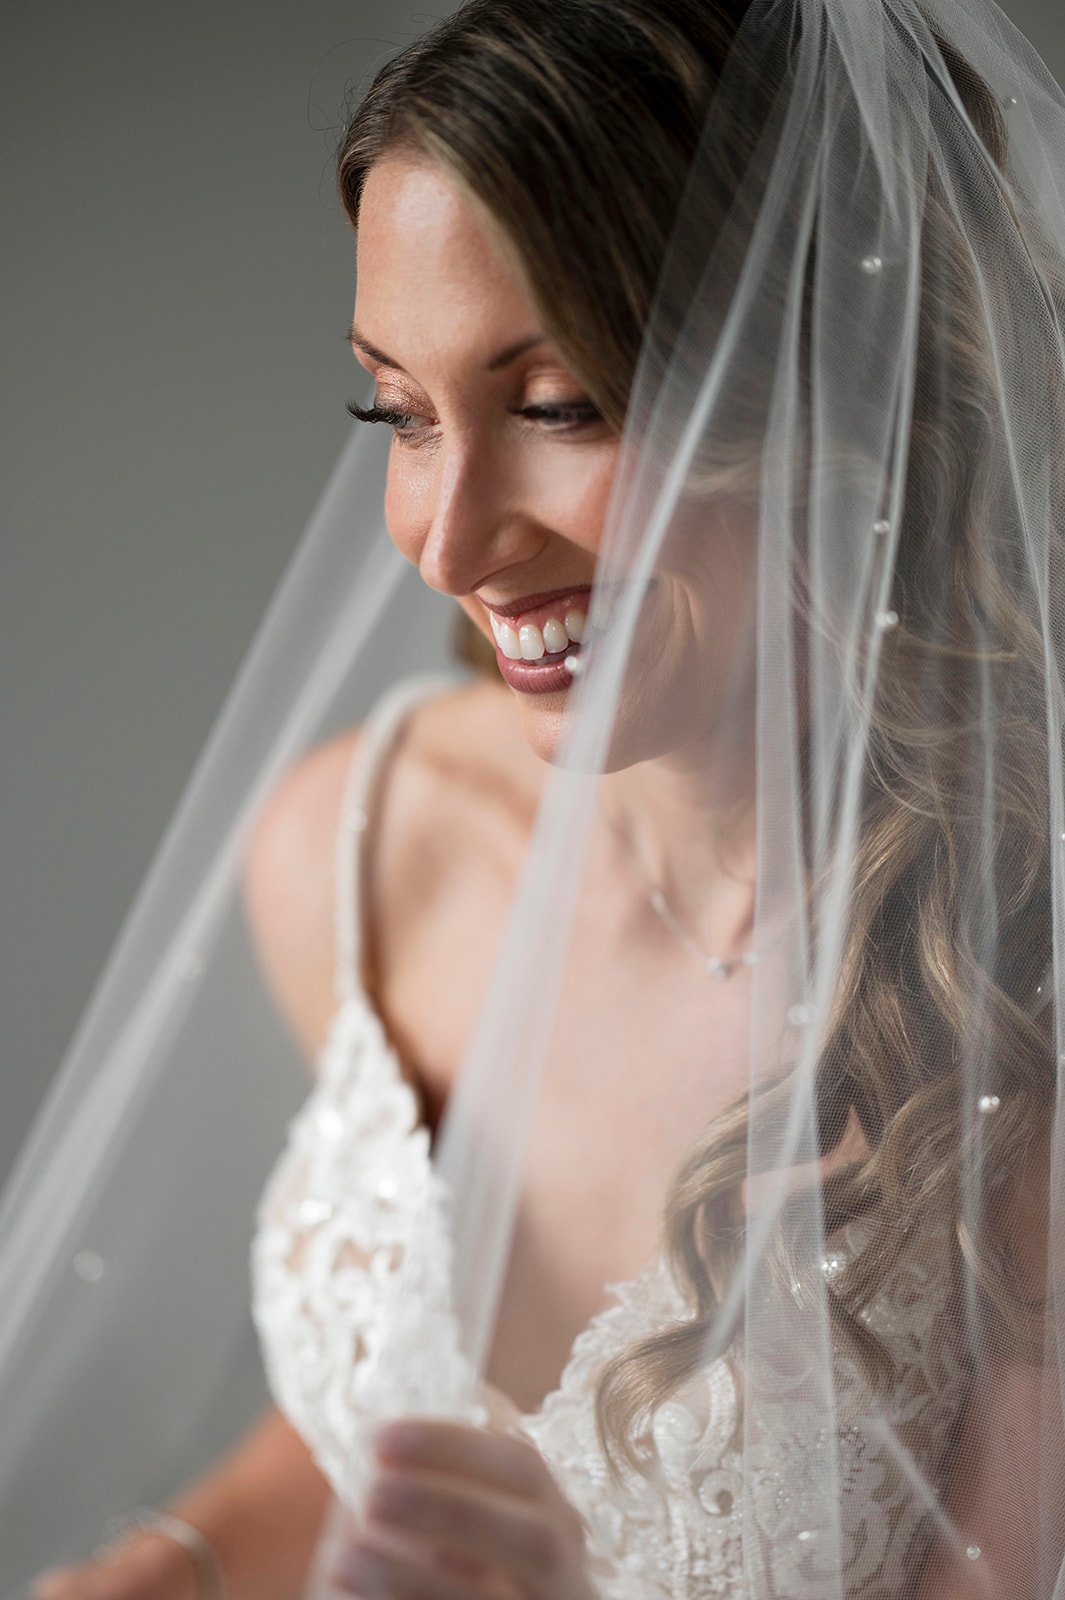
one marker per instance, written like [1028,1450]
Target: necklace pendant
[715,966]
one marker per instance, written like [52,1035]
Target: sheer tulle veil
[829,592]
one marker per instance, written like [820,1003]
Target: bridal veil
[840,483]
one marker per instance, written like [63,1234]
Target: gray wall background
[177,278]
[176,282]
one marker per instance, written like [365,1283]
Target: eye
[394,419]
[564,415]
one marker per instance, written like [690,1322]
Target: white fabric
[335,1224]
[829,584]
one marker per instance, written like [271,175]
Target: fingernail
[357,1569]
[401,1440]
[389,1498]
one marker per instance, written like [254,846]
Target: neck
[687,827]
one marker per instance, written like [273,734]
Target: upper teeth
[529,643]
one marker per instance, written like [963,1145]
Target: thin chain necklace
[716,966]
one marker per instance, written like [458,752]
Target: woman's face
[500,467]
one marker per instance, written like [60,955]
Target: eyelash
[580,414]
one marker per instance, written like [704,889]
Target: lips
[539,608]
[539,637]
[548,626]
[549,675]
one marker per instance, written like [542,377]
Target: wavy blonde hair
[530,104]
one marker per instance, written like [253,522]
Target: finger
[523,1537]
[79,1583]
[85,1582]
[501,1460]
[373,1574]
[147,1565]
[58,1583]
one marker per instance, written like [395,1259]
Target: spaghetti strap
[379,730]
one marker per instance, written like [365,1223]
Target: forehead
[425,261]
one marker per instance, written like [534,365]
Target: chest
[643,1053]
[346,1203]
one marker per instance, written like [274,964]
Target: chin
[543,720]
[544,726]
[661,708]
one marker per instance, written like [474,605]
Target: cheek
[563,488]
[717,574]
[476,613]
[571,491]
[724,578]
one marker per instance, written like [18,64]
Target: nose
[476,524]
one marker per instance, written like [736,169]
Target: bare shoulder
[459,787]
[289,885]
[452,827]
[464,750]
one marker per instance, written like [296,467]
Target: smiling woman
[514,521]
[678,1181]
[501,462]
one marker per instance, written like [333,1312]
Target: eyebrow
[503,359]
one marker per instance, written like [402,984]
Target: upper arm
[1007,1457]
[1008,1482]
[289,888]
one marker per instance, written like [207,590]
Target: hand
[457,1511]
[144,1566]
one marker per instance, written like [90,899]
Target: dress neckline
[352,997]
[358,1005]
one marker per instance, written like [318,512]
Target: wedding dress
[830,583]
[335,1220]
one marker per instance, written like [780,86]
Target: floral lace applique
[354,1191]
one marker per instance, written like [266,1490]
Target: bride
[514,179]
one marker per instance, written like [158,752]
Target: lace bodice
[337,1220]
